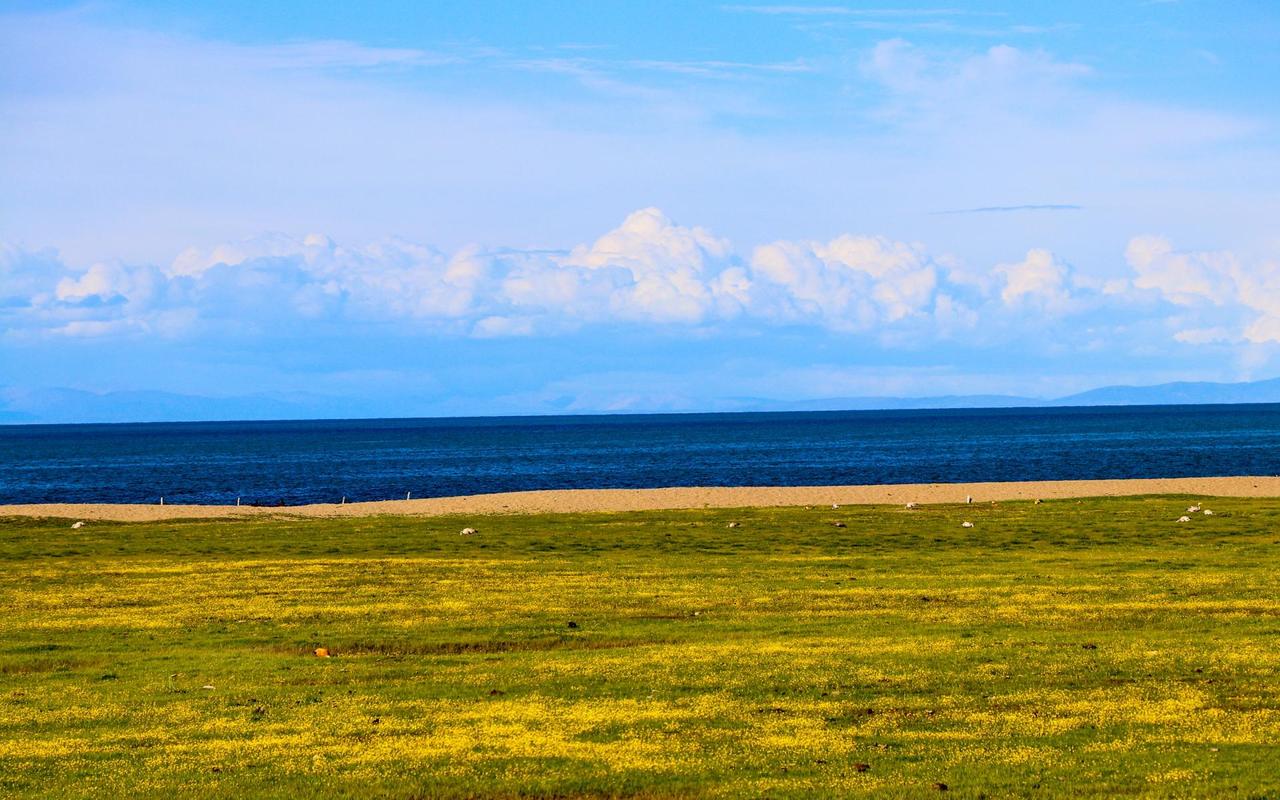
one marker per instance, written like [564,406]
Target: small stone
[208,686]
[573,624]
[468,531]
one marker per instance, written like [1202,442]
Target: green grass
[1077,649]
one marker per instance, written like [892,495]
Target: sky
[531,207]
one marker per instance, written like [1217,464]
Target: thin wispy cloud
[899,20]
[935,25]
[596,67]
[845,11]
[338,54]
[719,68]
[1009,209]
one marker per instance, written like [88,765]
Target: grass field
[1092,648]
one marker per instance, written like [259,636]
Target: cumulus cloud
[665,270]
[649,271]
[1182,278]
[1039,280]
[1211,286]
[851,283]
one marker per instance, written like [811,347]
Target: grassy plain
[1075,648]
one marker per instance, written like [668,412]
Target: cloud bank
[648,273]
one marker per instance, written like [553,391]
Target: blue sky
[526,207]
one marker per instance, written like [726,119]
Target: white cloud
[649,272]
[667,268]
[1205,335]
[1001,77]
[93,328]
[851,283]
[497,327]
[109,283]
[1039,280]
[1182,278]
[1211,285]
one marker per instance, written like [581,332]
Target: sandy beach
[584,500]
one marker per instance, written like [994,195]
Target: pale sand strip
[575,500]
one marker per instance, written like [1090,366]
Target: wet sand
[580,500]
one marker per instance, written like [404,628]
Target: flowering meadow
[1093,648]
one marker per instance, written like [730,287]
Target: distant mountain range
[889,403]
[1182,392]
[1164,394]
[73,405]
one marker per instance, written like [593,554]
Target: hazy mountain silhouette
[61,405]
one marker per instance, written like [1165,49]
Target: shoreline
[567,501]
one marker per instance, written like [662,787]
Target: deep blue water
[322,461]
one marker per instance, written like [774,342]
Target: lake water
[322,461]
